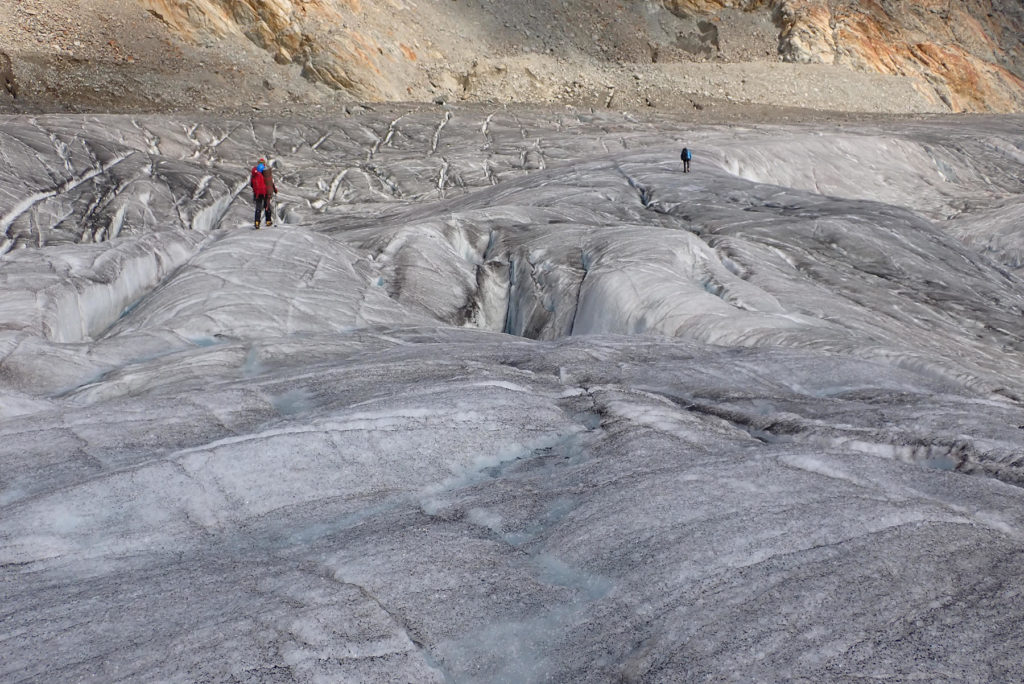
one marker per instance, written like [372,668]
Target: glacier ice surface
[506,396]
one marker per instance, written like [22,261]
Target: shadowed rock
[7,75]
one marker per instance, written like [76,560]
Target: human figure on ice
[261,180]
[686,156]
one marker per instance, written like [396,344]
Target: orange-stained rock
[963,53]
[967,54]
[317,34]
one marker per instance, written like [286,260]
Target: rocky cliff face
[966,54]
[938,55]
[347,45]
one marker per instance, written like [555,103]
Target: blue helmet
[260,167]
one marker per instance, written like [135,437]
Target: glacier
[504,396]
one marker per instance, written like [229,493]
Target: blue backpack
[685,155]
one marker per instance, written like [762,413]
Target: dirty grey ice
[504,395]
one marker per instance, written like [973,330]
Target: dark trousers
[686,166]
[263,208]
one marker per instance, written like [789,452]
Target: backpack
[259,185]
[685,156]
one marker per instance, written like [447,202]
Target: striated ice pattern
[505,396]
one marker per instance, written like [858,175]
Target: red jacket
[258,183]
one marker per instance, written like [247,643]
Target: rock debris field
[504,395]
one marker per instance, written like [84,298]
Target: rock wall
[346,44]
[962,55]
[966,53]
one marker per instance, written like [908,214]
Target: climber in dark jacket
[268,179]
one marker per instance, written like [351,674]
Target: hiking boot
[269,223]
[257,225]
